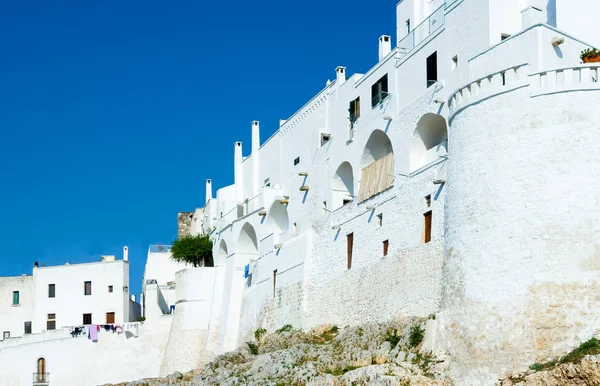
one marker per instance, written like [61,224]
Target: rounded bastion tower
[522,237]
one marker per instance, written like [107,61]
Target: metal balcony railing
[379,98]
[421,32]
[159,248]
[41,378]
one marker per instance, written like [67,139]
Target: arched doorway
[41,375]
[377,163]
[278,220]
[342,186]
[429,142]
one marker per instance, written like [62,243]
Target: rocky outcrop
[379,354]
[585,373]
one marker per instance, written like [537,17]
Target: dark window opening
[379,91]
[354,110]
[27,327]
[386,245]
[87,318]
[380,218]
[110,318]
[427,236]
[504,37]
[87,288]
[346,201]
[407,24]
[51,323]
[455,62]
[325,138]
[51,290]
[428,200]
[350,245]
[274,281]
[110,288]
[297,161]
[15,300]
[432,73]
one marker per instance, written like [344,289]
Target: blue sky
[113,113]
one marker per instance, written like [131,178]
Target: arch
[223,250]
[247,241]
[377,163]
[278,220]
[429,142]
[41,370]
[342,186]
[378,146]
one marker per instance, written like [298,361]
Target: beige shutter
[377,177]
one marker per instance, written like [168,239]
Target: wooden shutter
[428,218]
[386,245]
[350,242]
[110,317]
[377,177]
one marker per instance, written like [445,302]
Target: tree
[196,250]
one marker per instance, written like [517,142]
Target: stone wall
[184,224]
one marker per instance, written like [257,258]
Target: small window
[380,218]
[407,25]
[51,290]
[297,161]
[87,318]
[15,299]
[386,245]
[325,138]
[27,327]
[504,36]
[455,62]
[346,201]
[110,288]
[432,74]
[428,200]
[110,318]
[350,246]
[51,322]
[354,110]
[274,282]
[6,335]
[427,234]
[379,91]
[87,288]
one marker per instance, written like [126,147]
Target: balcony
[421,32]
[41,378]
[159,248]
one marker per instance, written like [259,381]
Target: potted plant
[590,55]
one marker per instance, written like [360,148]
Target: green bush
[196,250]
[286,328]
[416,336]
[393,338]
[253,348]
[259,333]
[589,53]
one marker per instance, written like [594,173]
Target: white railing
[421,32]
[581,77]
[159,248]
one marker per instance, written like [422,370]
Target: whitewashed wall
[13,317]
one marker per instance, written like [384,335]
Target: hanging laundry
[94,333]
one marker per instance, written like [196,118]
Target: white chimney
[340,76]
[237,171]
[125,253]
[531,16]
[208,190]
[385,46]
[255,158]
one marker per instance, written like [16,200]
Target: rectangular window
[455,62]
[346,201]
[407,24]
[350,245]
[432,74]
[110,288]
[428,200]
[427,235]
[110,317]
[354,110]
[51,323]
[87,288]
[87,318]
[27,327]
[379,91]
[386,245]
[274,282]
[6,335]
[51,290]
[297,161]
[15,299]
[380,218]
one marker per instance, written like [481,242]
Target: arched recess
[247,241]
[41,371]
[278,220]
[377,163]
[429,142]
[342,186]
[223,250]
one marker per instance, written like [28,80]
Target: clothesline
[92,330]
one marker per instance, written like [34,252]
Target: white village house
[456,178]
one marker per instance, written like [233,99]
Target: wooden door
[427,235]
[350,241]
[110,317]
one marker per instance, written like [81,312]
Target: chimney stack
[125,253]
[255,136]
[237,171]
[340,76]
[385,46]
[255,158]
[208,190]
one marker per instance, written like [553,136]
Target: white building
[454,177]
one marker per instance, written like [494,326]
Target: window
[51,290]
[274,281]
[354,110]
[325,138]
[87,288]
[297,161]
[346,201]
[427,234]
[407,24]
[386,245]
[87,318]
[432,75]
[6,335]
[110,288]
[428,200]
[51,323]
[455,62]
[27,327]
[350,245]
[15,300]
[380,218]
[504,37]
[41,376]
[110,317]
[379,91]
